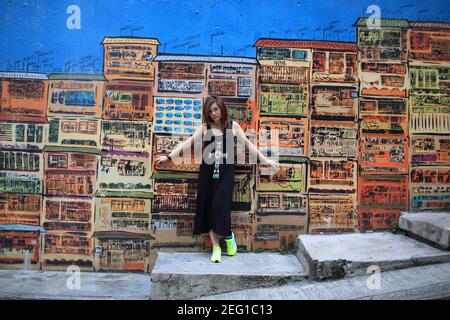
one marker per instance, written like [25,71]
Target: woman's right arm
[196,137]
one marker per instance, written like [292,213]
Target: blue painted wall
[27,27]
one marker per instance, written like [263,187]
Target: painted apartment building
[23,126]
[282,100]
[383,114]
[71,157]
[333,125]
[429,109]
[122,239]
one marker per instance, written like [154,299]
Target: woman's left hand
[273,165]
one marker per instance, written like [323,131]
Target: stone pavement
[57,285]
[407,269]
[425,282]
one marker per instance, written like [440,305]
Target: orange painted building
[128,100]
[129,58]
[23,128]
[381,198]
[20,208]
[429,107]
[23,94]
[383,153]
[429,42]
[20,246]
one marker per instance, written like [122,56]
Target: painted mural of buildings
[429,108]
[182,84]
[383,113]
[71,157]
[122,231]
[122,239]
[23,127]
[362,133]
[333,125]
[282,99]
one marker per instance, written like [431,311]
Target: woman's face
[215,112]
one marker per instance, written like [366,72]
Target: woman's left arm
[252,148]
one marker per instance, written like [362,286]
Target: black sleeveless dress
[215,188]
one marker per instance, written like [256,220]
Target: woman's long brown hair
[225,115]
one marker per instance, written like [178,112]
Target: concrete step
[433,227]
[59,285]
[348,255]
[190,274]
[424,282]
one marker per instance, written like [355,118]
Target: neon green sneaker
[231,245]
[216,254]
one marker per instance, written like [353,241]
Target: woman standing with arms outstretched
[216,175]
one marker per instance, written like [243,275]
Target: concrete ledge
[190,275]
[348,255]
[430,226]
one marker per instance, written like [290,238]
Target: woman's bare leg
[215,238]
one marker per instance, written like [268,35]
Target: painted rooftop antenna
[287,32]
[124,28]
[243,49]
[215,34]
[315,30]
[24,60]
[41,54]
[169,42]
[301,32]
[135,29]
[339,31]
[420,12]
[195,36]
[194,45]
[406,6]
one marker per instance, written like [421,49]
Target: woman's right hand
[161,159]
